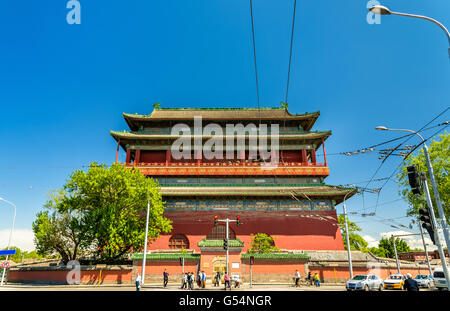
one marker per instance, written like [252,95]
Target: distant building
[420,256]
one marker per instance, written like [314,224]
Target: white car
[439,278]
[424,280]
[364,282]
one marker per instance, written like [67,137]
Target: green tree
[62,230]
[439,151]
[101,212]
[357,242]
[262,243]
[386,247]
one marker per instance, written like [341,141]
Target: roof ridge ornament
[284,105]
[157,106]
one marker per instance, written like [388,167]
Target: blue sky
[63,87]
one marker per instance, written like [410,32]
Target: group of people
[309,279]
[189,279]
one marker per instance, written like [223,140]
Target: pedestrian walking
[297,277]
[203,279]
[217,279]
[166,277]
[190,280]
[310,280]
[138,282]
[227,281]
[317,279]
[411,284]
[199,280]
[184,281]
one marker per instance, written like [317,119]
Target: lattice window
[178,241]
[219,233]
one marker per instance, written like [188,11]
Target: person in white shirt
[138,282]
[296,277]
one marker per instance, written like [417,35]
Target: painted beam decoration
[248,205]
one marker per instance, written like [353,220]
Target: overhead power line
[290,53]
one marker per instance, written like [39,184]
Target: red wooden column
[128,158]
[304,157]
[137,156]
[324,152]
[242,156]
[168,156]
[313,157]
[117,154]
[199,157]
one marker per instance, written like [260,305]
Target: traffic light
[425,217]
[238,221]
[252,260]
[216,220]
[181,261]
[414,179]
[225,244]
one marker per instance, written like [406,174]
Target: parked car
[439,278]
[424,280]
[364,282]
[395,281]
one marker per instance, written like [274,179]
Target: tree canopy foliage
[439,151]
[357,242]
[386,248]
[262,243]
[100,212]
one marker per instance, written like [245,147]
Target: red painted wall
[291,156]
[87,276]
[295,231]
[153,156]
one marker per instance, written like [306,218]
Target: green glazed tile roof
[219,243]
[165,256]
[275,256]
[134,135]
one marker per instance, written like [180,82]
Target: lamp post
[382,10]
[10,235]
[145,241]
[433,181]
[349,254]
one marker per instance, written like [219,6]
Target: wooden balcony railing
[223,164]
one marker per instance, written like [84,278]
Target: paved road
[158,287]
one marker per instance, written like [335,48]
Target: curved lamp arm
[428,19]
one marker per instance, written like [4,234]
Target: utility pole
[226,246]
[226,236]
[436,232]
[425,248]
[347,235]
[395,251]
[425,151]
[145,241]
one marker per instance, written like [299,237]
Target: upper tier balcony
[231,168]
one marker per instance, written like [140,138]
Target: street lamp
[146,237]
[382,10]
[433,180]
[145,241]
[10,235]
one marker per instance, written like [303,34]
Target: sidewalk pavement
[170,287]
